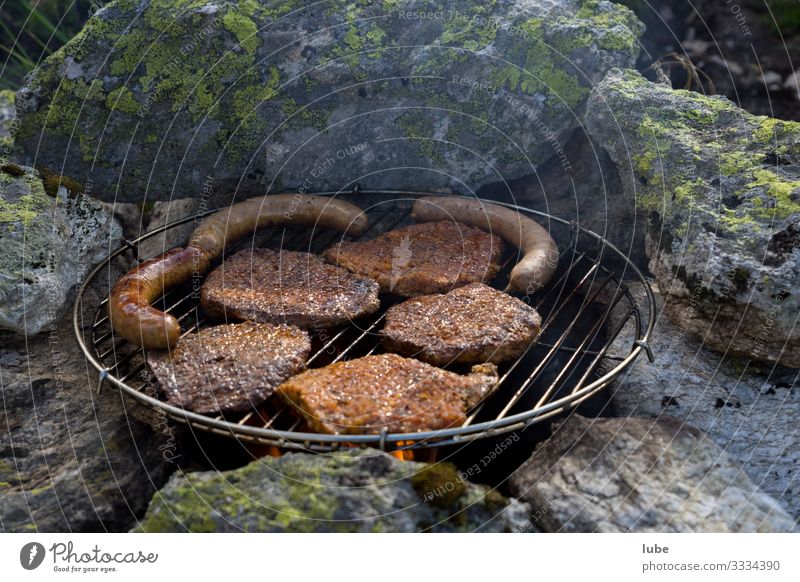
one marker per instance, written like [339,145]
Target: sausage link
[240,219]
[130,303]
[540,253]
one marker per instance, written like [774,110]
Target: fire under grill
[572,361]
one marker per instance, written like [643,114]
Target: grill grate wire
[551,377]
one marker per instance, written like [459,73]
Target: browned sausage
[240,219]
[540,253]
[130,303]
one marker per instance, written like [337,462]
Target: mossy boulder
[161,96]
[51,235]
[722,189]
[350,491]
[7,116]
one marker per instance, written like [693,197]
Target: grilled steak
[399,394]
[470,324]
[229,368]
[287,287]
[420,259]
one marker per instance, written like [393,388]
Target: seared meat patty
[399,394]
[287,287]
[470,324]
[421,259]
[229,368]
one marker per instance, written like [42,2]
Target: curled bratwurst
[540,253]
[130,304]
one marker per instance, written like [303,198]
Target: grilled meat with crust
[421,259]
[366,395]
[229,368]
[471,324]
[287,287]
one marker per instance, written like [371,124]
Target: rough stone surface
[252,95]
[164,213]
[7,115]
[71,459]
[352,491]
[750,410]
[129,216]
[641,474]
[723,190]
[50,241]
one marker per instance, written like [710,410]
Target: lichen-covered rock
[351,491]
[72,459]
[166,95]
[723,190]
[7,116]
[752,411]
[50,237]
[642,475]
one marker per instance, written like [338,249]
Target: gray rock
[164,213]
[128,215]
[252,96]
[644,475]
[723,191]
[72,459]
[50,241]
[7,116]
[749,410]
[350,491]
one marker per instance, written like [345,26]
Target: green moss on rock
[619,24]
[779,189]
[7,98]
[723,201]
[417,125]
[122,99]
[691,134]
[543,71]
[494,500]
[52,181]
[12,170]
[473,29]
[439,484]
[244,29]
[347,491]
[24,208]
[221,76]
[196,498]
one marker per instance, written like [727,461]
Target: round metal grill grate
[558,372]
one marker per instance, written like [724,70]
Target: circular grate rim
[644,317]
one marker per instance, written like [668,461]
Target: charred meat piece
[421,259]
[471,324]
[366,395]
[229,368]
[287,287]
